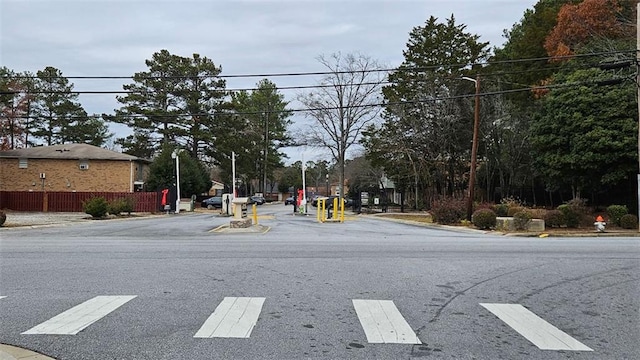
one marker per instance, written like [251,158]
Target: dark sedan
[212,202]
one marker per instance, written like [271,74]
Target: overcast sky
[115,37]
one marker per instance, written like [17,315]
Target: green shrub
[121,205]
[629,221]
[114,207]
[571,218]
[3,218]
[501,209]
[615,212]
[554,218]
[96,207]
[521,220]
[484,219]
[448,210]
[128,205]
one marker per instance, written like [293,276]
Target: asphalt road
[306,276]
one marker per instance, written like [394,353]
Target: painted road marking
[235,317]
[383,323]
[79,317]
[542,334]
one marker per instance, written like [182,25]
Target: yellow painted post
[323,203]
[335,209]
[342,211]
[255,214]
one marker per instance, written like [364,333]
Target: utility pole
[474,146]
[266,150]
[638,90]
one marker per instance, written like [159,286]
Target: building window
[84,165]
[23,163]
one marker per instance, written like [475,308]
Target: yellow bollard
[335,209]
[255,214]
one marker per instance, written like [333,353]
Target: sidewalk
[21,219]
[18,219]
[9,352]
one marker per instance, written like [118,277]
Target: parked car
[212,202]
[257,199]
[289,201]
[329,202]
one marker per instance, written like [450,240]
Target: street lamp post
[175,155]
[327,179]
[474,145]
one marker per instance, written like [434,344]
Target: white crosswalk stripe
[383,323]
[539,332]
[235,317]
[79,317]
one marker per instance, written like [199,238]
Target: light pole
[474,145]
[327,179]
[176,155]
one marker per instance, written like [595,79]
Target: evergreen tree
[425,138]
[175,102]
[265,119]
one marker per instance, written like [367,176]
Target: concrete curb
[430,225]
[506,234]
[254,229]
[10,352]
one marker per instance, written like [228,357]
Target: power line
[315,73]
[382,104]
[296,87]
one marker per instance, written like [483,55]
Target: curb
[10,352]
[506,234]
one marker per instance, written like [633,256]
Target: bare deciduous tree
[345,102]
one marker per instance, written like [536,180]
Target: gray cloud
[114,37]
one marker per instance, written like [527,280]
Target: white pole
[177,182]
[304,187]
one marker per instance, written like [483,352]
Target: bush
[96,207]
[521,220]
[121,205]
[128,205]
[448,210]
[513,210]
[114,207]
[537,213]
[615,212]
[501,209]
[571,216]
[3,218]
[484,219]
[554,218]
[629,221]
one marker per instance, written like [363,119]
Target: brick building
[71,167]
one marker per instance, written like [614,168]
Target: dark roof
[69,152]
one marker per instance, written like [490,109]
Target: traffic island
[240,224]
[255,229]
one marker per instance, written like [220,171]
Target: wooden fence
[60,201]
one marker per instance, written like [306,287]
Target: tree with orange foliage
[592,19]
